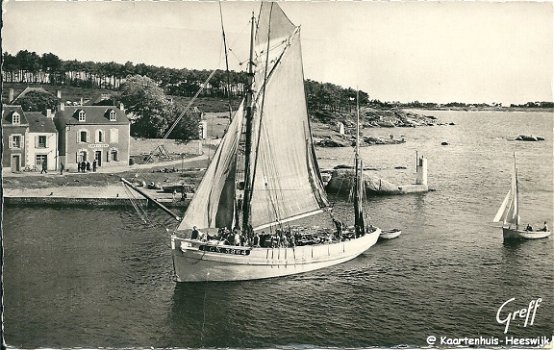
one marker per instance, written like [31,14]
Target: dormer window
[16,118]
[82,116]
[112,116]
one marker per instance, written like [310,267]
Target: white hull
[390,234]
[192,264]
[516,234]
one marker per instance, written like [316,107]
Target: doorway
[41,160]
[16,163]
[98,157]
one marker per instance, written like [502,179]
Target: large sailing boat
[508,214]
[264,175]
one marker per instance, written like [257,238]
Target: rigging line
[141,213]
[189,105]
[226,62]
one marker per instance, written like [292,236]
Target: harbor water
[97,277]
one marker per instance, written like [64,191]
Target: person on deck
[236,237]
[545,227]
[529,228]
[195,233]
[256,242]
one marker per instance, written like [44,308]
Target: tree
[144,98]
[35,101]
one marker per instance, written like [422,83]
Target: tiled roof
[38,122]
[93,115]
[8,110]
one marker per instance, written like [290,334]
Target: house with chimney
[92,133]
[15,129]
[42,141]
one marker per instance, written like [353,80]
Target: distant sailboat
[508,214]
[264,175]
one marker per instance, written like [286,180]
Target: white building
[42,141]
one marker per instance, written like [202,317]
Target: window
[41,142]
[82,116]
[83,136]
[112,116]
[99,136]
[16,118]
[16,141]
[113,155]
[114,135]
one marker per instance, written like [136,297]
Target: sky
[440,52]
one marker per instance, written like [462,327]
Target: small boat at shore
[390,234]
[508,214]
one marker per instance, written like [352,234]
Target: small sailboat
[264,177]
[508,214]
[390,234]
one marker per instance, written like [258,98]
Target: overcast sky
[406,51]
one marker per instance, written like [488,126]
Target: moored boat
[390,234]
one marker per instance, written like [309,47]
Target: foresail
[213,203]
[286,182]
[501,213]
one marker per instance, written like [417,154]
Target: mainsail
[286,182]
[282,177]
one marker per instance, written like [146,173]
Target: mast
[358,182]
[248,142]
[515,190]
[226,63]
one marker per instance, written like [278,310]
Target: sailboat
[508,214]
[264,177]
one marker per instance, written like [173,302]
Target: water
[92,277]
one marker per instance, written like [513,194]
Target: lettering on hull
[224,250]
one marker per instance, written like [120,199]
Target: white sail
[286,178]
[213,204]
[512,215]
[501,213]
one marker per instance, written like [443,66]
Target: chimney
[49,114]
[62,106]
[122,107]
[10,95]
[59,93]
[81,101]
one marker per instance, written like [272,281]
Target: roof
[101,100]
[8,111]
[93,115]
[38,122]
[32,89]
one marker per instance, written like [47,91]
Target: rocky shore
[340,129]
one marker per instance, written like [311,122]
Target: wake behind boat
[264,175]
[508,214]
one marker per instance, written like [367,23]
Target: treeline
[29,67]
